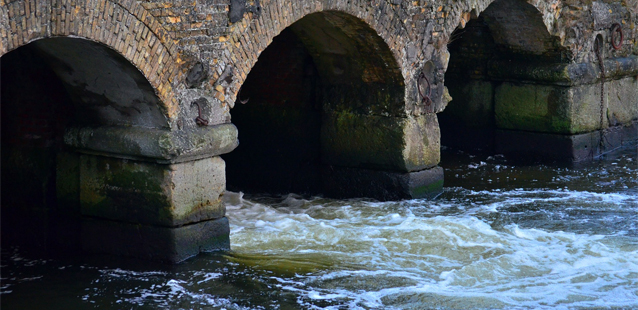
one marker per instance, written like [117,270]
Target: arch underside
[90,154]
[105,88]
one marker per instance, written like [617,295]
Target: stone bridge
[122,119]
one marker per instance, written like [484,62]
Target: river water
[501,236]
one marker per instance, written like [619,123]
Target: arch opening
[315,98]
[48,86]
[484,57]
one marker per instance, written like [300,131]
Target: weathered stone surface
[564,105]
[164,244]
[377,142]
[196,75]
[104,86]
[382,185]
[564,110]
[529,35]
[125,63]
[620,105]
[422,142]
[622,101]
[152,194]
[162,146]
[237,10]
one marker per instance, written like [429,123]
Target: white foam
[460,257]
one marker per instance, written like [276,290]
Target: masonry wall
[507,73]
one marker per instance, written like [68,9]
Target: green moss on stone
[532,107]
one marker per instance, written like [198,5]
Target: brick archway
[248,37]
[123,26]
[360,130]
[508,33]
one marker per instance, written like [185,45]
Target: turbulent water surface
[501,236]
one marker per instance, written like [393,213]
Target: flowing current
[501,236]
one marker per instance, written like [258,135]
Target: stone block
[565,99]
[622,101]
[620,104]
[533,107]
[378,142]
[152,194]
[345,182]
[164,244]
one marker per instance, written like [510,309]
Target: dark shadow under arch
[105,88]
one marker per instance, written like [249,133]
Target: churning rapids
[501,236]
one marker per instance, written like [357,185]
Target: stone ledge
[343,182]
[155,145]
[164,244]
[562,74]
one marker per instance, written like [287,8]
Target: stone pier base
[164,244]
[152,211]
[563,148]
[382,185]
[147,193]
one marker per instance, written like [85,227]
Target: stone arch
[518,26]
[517,78]
[249,37]
[103,86]
[549,12]
[123,26]
[487,47]
[364,134]
[94,64]
[52,87]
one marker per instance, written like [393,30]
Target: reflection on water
[500,237]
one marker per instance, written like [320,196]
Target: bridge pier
[517,93]
[151,193]
[386,158]
[551,112]
[559,112]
